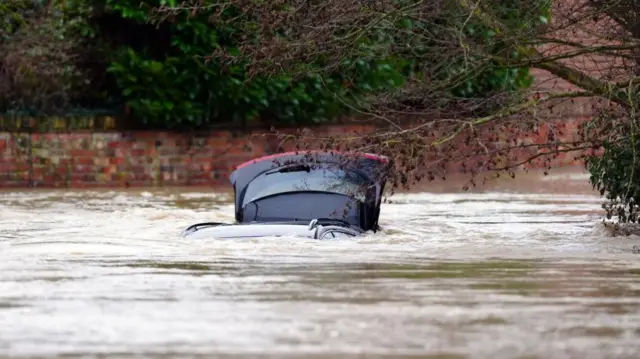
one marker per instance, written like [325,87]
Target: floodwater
[511,274]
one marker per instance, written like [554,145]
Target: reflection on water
[484,275]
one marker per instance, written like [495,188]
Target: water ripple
[481,275]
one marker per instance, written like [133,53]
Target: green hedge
[162,72]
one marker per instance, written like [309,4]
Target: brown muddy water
[517,273]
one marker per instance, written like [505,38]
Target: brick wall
[123,159]
[114,159]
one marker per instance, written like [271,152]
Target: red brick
[20,167]
[217,142]
[83,161]
[62,170]
[138,152]
[82,153]
[120,144]
[6,166]
[117,160]
[14,184]
[150,135]
[201,159]
[137,169]
[83,170]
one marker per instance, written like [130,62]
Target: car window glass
[326,180]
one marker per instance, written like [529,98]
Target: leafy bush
[165,74]
[37,68]
[615,173]
[521,16]
[183,87]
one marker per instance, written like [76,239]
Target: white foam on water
[484,275]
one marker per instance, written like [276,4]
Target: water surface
[452,275]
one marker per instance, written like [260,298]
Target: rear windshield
[321,179]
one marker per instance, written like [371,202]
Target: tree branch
[551,64]
[508,112]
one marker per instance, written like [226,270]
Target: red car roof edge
[270,157]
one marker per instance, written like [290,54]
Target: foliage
[37,69]
[181,87]
[49,58]
[615,175]
[521,16]
[101,52]
[616,172]
[186,86]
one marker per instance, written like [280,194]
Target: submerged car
[312,194]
